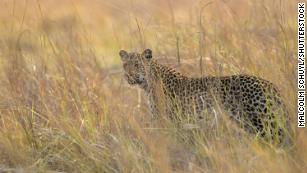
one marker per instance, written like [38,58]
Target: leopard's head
[134,66]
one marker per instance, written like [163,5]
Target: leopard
[255,104]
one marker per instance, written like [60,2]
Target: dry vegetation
[65,107]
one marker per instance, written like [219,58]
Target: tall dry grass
[64,106]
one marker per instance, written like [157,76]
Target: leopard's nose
[141,77]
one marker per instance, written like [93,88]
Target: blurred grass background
[64,105]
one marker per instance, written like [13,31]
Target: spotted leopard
[252,102]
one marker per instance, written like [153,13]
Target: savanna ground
[65,107]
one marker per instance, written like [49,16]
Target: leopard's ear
[123,55]
[147,54]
